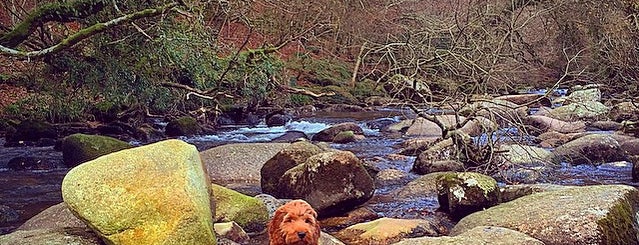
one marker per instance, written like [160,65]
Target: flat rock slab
[604,214]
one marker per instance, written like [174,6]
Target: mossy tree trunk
[56,11]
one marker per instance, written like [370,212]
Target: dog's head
[294,223]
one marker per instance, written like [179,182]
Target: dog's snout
[301,235]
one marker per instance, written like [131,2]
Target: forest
[65,61]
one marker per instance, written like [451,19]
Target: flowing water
[29,192]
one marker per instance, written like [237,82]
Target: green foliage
[366,88]
[320,71]
[300,100]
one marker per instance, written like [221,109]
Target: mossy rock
[248,212]
[79,148]
[386,231]
[32,130]
[602,214]
[466,192]
[344,137]
[184,126]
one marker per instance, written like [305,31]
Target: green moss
[618,227]
[79,148]
[248,212]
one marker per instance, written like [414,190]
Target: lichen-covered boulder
[52,236]
[248,212]
[604,214]
[526,99]
[590,149]
[501,111]
[386,231]
[478,235]
[329,133]
[423,187]
[524,155]
[79,148]
[289,157]
[332,182]
[624,111]
[587,110]
[153,194]
[463,193]
[183,126]
[231,231]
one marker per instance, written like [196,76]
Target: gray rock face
[604,214]
[52,236]
[289,157]
[590,149]
[332,182]
[478,235]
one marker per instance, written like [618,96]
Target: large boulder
[602,214]
[543,124]
[248,212]
[503,112]
[183,126]
[587,110]
[153,194]
[329,134]
[239,163]
[427,128]
[478,235]
[386,231]
[463,193]
[517,155]
[79,148]
[332,182]
[52,236]
[590,149]
[289,157]
[441,151]
[624,111]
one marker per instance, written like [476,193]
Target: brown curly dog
[294,223]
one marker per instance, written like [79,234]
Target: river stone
[624,111]
[526,99]
[153,194]
[56,216]
[589,110]
[289,157]
[248,212]
[478,235]
[239,163]
[512,192]
[332,182]
[524,155]
[631,147]
[276,120]
[183,126]
[329,133]
[415,146]
[353,217]
[440,151]
[231,231]
[602,214]
[545,124]
[463,193]
[503,112]
[582,94]
[423,187]
[52,236]
[79,148]
[386,231]
[590,149]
